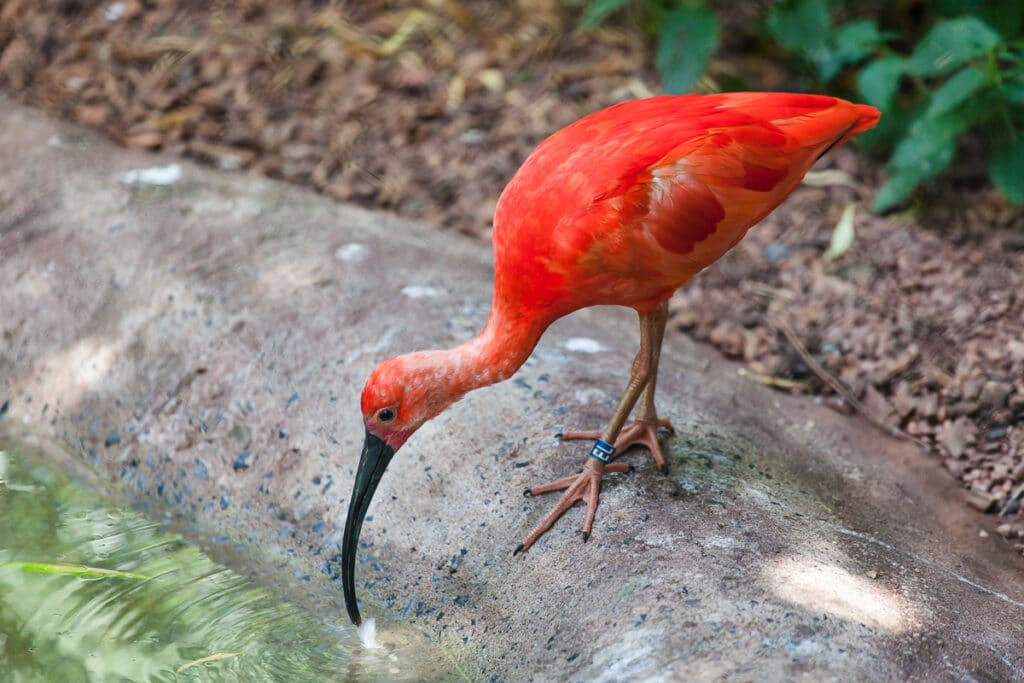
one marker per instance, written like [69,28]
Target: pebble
[421,292]
[776,251]
[583,345]
[981,501]
[994,394]
[154,175]
[243,461]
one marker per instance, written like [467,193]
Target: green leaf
[800,25]
[879,81]
[856,40]
[957,89]
[926,150]
[70,570]
[689,36]
[1006,166]
[1012,87]
[895,189]
[951,43]
[926,142]
[850,43]
[599,10]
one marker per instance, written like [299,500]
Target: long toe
[644,433]
[585,486]
[588,434]
[639,433]
[556,485]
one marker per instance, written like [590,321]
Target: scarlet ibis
[622,207]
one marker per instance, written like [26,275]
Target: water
[178,616]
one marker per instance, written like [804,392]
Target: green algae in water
[93,593]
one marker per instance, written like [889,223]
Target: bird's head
[401,394]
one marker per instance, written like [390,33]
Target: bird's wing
[646,193]
[724,168]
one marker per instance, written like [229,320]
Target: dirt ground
[428,110]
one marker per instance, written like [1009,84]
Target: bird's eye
[386,415]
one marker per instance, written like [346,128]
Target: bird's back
[627,204]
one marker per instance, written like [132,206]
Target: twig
[779,382]
[839,387]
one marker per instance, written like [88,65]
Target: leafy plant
[687,34]
[966,77]
[957,71]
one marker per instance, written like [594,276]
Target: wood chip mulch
[428,108]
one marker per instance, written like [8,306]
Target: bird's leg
[586,485]
[644,430]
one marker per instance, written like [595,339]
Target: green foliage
[687,34]
[951,82]
[688,37]
[599,10]
[957,70]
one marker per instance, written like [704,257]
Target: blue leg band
[602,451]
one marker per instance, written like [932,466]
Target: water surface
[176,615]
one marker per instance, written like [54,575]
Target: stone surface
[203,343]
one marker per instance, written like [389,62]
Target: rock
[877,406]
[956,435]
[728,339]
[902,400]
[1016,402]
[776,251]
[994,394]
[773,510]
[885,370]
[963,408]
[983,502]
[972,388]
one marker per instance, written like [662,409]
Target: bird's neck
[500,349]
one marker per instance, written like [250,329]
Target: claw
[519,549]
[583,486]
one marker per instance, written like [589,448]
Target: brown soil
[429,110]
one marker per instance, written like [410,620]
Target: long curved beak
[372,463]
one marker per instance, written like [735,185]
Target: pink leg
[586,485]
[644,430]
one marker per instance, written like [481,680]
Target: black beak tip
[372,463]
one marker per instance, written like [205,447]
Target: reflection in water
[190,619]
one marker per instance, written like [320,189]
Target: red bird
[622,207]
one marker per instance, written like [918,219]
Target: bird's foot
[585,486]
[643,432]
